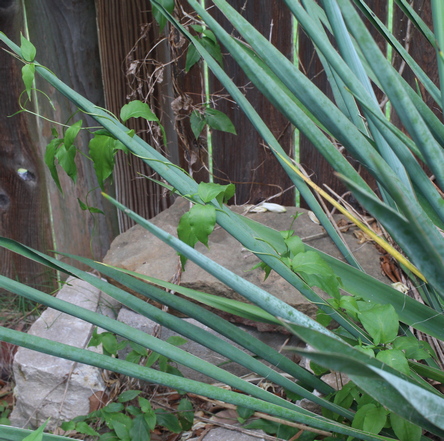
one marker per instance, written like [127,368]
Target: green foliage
[168,5]
[381,322]
[64,151]
[4,413]
[137,109]
[28,50]
[390,392]
[102,151]
[197,224]
[215,119]
[209,42]
[28,53]
[28,73]
[131,418]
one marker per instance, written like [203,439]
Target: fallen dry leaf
[390,269]
[362,237]
[97,400]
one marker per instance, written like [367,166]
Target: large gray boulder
[140,251]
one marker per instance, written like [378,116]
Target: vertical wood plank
[244,159]
[189,95]
[64,33]
[132,59]
[24,211]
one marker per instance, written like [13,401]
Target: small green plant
[132,418]
[111,347]
[5,410]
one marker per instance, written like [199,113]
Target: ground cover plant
[379,342]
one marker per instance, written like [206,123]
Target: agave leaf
[189,309]
[421,241]
[162,347]
[388,78]
[364,286]
[417,70]
[178,383]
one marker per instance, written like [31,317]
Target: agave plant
[390,395]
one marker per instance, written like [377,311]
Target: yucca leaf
[9,433]
[162,347]
[409,397]
[421,181]
[417,70]
[438,26]
[190,331]
[388,78]
[231,306]
[189,309]
[178,383]
[367,287]
[418,22]
[422,242]
[305,91]
[352,59]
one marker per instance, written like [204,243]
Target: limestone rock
[223,434]
[140,251]
[51,387]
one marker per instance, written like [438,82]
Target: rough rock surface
[223,434]
[50,387]
[140,251]
[137,321]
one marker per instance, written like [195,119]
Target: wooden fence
[111,52]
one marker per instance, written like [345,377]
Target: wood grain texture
[244,159]
[65,35]
[24,211]
[127,37]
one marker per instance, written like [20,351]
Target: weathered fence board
[243,158]
[23,197]
[64,33]
[130,57]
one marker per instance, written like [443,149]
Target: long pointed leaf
[179,383]
[407,112]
